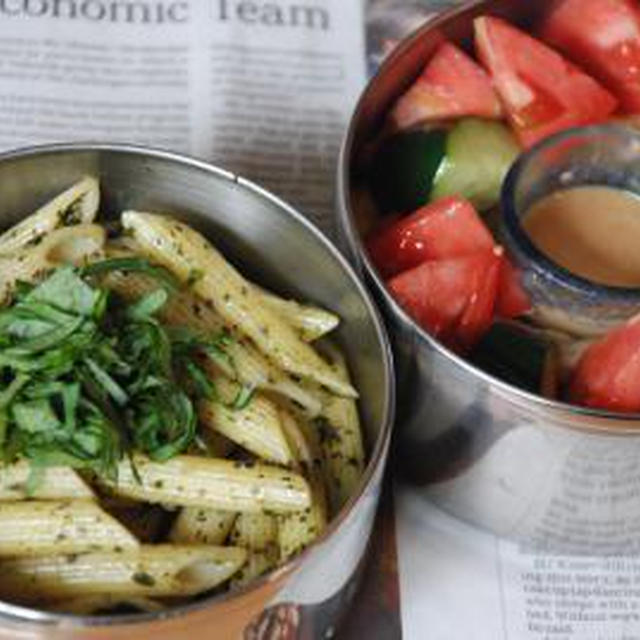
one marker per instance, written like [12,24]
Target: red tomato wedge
[513,300]
[478,314]
[608,374]
[453,299]
[542,92]
[604,37]
[451,85]
[446,228]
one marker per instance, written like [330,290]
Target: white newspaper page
[457,582]
[264,89]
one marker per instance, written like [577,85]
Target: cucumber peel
[403,169]
[518,356]
[478,155]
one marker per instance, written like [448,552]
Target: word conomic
[271,14]
[114,11]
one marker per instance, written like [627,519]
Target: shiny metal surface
[539,471]
[277,247]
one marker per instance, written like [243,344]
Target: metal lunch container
[277,247]
[551,475]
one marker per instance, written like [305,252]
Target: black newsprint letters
[273,14]
[115,11]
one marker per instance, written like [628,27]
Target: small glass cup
[605,155]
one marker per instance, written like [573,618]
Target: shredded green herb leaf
[141,265]
[87,378]
[243,397]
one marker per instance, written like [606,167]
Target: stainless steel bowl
[543,472]
[277,247]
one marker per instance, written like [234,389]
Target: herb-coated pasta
[162,419]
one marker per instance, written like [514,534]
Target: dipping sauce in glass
[592,231]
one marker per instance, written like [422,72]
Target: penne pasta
[74,245]
[303,441]
[55,483]
[59,526]
[212,482]
[208,434]
[153,570]
[258,533]
[255,427]
[340,439]
[199,525]
[192,258]
[309,322]
[297,530]
[244,363]
[341,444]
[76,205]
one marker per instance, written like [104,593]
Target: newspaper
[264,89]
[458,582]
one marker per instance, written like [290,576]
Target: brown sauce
[592,231]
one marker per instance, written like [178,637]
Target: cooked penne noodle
[342,449]
[191,257]
[76,205]
[256,427]
[152,570]
[75,245]
[213,482]
[59,526]
[182,308]
[340,438]
[258,533]
[67,245]
[303,441]
[55,483]
[310,322]
[244,363]
[198,525]
[251,368]
[255,531]
[297,530]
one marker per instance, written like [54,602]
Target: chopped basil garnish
[86,378]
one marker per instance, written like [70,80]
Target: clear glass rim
[520,242]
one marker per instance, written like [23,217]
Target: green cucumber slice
[479,153]
[403,169]
[519,356]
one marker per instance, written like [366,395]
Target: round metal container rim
[25,614]
[618,424]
